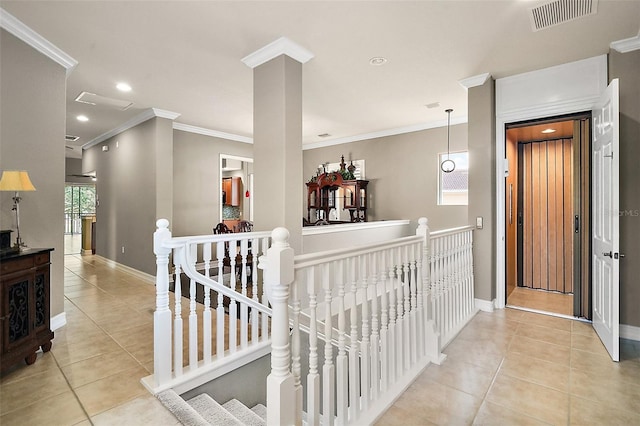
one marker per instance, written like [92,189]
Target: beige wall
[196,186]
[626,67]
[403,174]
[482,186]
[132,191]
[32,128]
[73,166]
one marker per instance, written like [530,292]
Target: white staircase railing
[193,345]
[451,280]
[375,316]
[380,297]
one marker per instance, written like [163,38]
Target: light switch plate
[479,222]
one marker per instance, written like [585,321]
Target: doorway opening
[236,190]
[79,205]
[547,227]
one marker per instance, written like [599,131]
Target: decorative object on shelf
[448,165]
[329,191]
[16,181]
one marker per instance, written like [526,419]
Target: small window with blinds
[453,187]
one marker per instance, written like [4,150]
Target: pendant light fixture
[448,165]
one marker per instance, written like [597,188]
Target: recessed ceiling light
[123,87]
[82,118]
[377,61]
[549,131]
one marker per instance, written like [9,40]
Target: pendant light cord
[448,111]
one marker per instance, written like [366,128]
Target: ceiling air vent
[560,11]
[70,138]
[99,100]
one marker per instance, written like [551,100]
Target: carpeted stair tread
[185,413]
[213,412]
[261,411]
[243,413]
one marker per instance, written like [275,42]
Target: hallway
[508,367]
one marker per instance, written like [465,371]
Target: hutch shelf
[331,190]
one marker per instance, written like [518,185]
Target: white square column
[277,137]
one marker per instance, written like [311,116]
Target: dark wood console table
[24,306]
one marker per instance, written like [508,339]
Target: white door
[606,237]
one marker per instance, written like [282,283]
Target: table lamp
[16,181]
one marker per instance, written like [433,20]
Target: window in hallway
[453,187]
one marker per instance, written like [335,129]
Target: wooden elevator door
[545,215]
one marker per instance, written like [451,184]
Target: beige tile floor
[513,367]
[505,368]
[92,373]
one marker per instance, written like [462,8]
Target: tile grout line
[109,336]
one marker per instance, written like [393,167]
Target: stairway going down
[203,410]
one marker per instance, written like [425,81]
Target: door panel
[606,241]
[547,211]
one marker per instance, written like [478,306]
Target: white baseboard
[485,305]
[58,321]
[629,332]
[142,275]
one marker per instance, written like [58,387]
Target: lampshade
[16,180]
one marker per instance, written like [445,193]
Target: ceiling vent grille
[70,138]
[560,11]
[93,99]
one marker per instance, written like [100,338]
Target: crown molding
[165,114]
[385,133]
[140,118]
[282,46]
[208,132]
[476,80]
[35,40]
[626,45]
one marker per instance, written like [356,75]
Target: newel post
[162,314]
[278,276]
[431,335]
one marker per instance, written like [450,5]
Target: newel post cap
[159,236]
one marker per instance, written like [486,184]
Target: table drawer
[13,265]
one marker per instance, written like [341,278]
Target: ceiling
[534,132]
[185,57]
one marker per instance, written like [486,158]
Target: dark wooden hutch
[324,189]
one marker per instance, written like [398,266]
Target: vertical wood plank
[528,219]
[535,179]
[544,229]
[568,217]
[552,226]
[559,218]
